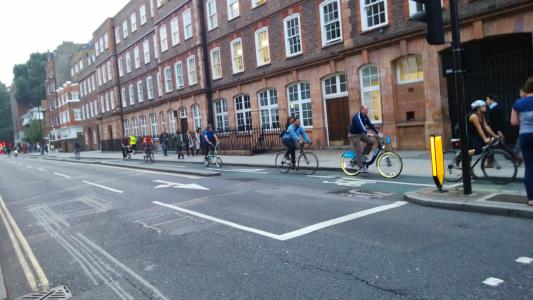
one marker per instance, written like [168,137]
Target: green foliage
[6,126]
[32,132]
[29,79]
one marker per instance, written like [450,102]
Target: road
[115,233]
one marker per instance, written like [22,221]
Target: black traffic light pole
[458,77]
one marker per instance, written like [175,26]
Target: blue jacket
[359,123]
[294,133]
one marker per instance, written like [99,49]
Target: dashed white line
[62,175]
[30,167]
[103,187]
[41,169]
[491,281]
[524,260]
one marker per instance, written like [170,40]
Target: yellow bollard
[437,160]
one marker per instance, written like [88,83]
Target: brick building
[249,64]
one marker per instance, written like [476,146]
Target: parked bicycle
[306,161]
[213,158]
[497,165]
[388,163]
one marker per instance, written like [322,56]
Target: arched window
[370,92]
[268,106]
[144,129]
[300,102]
[409,69]
[162,120]
[335,86]
[221,115]
[171,121]
[183,113]
[153,121]
[135,126]
[126,127]
[197,116]
[243,110]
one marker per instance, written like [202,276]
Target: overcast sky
[40,25]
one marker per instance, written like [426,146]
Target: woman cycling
[479,132]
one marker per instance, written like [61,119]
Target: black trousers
[291,150]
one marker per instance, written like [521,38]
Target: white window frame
[212,15]
[338,93]
[156,46]
[399,65]
[234,57]
[144,126]
[259,48]
[120,66]
[231,14]
[107,102]
[159,85]
[365,89]
[133,19]
[243,115]
[175,31]
[221,115]
[197,116]
[109,71]
[287,37]
[150,87]
[153,124]
[364,17]
[142,13]
[269,112]
[171,121]
[178,73]
[187,24]
[125,32]
[106,41]
[140,91]
[128,62]
[163,37]
[300,101]
[137,57]
[132,94]
[135,126]
[126,127]
[168,79]
[123,96]
[191,70]
[325,41]
[146,50]
[216,63]
[117,35]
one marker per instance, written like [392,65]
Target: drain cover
[60,292]
[507,198]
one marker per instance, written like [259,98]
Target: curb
[3,291]
[474,206]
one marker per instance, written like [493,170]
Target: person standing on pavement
[198,140]
[522,115]
[164,139]
[133,143]
[210,139]
[186,142]
[178,141]
[192,143]
[358,132]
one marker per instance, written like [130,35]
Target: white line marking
[524,260]
[41,169]
[176,185]
[322,176]
[62,175]
[30,167]
[491,281]
[389,181]
[292,234]
[253,171]
[103,187]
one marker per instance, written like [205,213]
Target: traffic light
[432,16]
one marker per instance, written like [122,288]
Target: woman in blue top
[522,114]
[292,137]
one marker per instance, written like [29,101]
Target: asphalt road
[115,233]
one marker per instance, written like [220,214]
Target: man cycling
[210,139]
[358,132]
[147,144]
[293,136]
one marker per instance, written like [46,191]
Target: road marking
[176,185]
[255,171]
[322,176]
[41,169]
[171,166]
[103,187]
[292,234]
[19,241]
[491,281]
[151,172]
[62,175]
[30,167]
[369,181]
[524,260]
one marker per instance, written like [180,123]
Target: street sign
[437,160]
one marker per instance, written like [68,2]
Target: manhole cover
[361,193]
[61,292]
[507,198]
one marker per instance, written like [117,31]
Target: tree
[6,126]
[32,132]
[29,79]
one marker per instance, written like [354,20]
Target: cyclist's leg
[369,143]
[291,145]
[356,140]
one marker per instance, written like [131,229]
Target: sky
[41,25]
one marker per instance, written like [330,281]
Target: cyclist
[479,132]
[124,145]
[211,140]
[133,143]
[147,143]
[294,135]
[358,132]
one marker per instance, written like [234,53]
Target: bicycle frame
[375,153]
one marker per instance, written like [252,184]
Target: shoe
[286,157]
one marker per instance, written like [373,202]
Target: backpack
[282,133]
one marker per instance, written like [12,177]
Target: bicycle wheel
[389,164]
[282,164]
[308,162]
[453,166]
[499,167]
[348,164]
[218,162]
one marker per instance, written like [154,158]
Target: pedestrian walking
[164,139]
[178,141]
[186,142]
[192,143]
[522,115]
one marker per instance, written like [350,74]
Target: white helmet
[478,103]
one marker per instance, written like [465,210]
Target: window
[197,116]
[191,68]
[300,102]
[212,17]
[244,113]
[268,106]
[96,50]
[175,30]
[140,91]
[293,37]
[133,19]
[370,92]
[101,44]
[156,46]
[163,37]
[153,121]
[373,14]
[216,64]
[106,40]
[117,35]
[409,69]
[77,114]
[137,57]
[171,121]
[109,71]
[187,24]
[330,22]
[178,72]
[107,103]
[183,113]
[262,47]
[125,28]
[102,104]
[146,49]
[123,97]
[134,126]
[126,127]
[104,73]
[112,98]
[152,8]
[150,87]
[256,3]
[335,86]
[221,115]
[233,9]
[142,12]
[120,66]
[159,86]
[237,60]
[168,80]
[99,76]
[144,128]
[132,94]
[128,62]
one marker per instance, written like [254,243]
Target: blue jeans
[526,145]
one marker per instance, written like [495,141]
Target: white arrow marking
[491,281]
[176,185]
[524,260]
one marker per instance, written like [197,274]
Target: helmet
[478,103]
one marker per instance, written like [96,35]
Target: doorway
[184,125]
[338,114]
